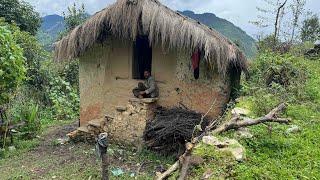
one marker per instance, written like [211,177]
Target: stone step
[121,108]
[73,134]
[83,129]
[97,123]
[144,100]
[108,118]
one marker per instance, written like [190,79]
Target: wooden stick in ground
[103,147]
[234,123]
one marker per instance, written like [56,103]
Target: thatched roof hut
[128,18]
[193,64]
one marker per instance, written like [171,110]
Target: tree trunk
[276,24]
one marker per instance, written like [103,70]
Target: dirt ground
[52,160]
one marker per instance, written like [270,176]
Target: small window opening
[195,58]
[142,57]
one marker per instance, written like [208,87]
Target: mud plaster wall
[105,81]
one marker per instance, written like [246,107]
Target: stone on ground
[243,133]
[226,145]
[63,141]
[208,174]
[12,148]
[293,129]
[240,111]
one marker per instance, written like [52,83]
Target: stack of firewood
[168,132]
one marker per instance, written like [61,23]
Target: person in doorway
[148,89]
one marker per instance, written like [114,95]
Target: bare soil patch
[52,160]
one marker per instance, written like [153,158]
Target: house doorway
[142,57]
[235,76]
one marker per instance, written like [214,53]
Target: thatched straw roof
[128,18]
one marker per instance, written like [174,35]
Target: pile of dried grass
[170,129]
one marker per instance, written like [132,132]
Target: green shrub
[71,72]
[23,108]
[64,99]
[30,114]
[12,65]
[275,78]
[32,51]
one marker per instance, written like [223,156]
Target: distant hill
[52,25]
[50,29]
[234,33]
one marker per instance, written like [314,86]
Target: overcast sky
[239,12]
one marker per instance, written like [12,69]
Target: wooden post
[103,148]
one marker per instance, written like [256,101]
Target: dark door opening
[235,76]
[142,57]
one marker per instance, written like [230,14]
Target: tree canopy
[310,30]
[22,13]
[75,16]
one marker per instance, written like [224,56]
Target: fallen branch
[235,123]
[168,172]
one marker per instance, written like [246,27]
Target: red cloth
[195,59]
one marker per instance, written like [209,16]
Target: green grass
[287,156]
[275,155]
[219,163]
[81,163]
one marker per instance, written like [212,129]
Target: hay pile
[168,132]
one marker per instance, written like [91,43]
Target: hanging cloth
[195,58]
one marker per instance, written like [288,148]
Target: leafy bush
[64,99]
[30,114]
[275,78]
[23,108]
[12,65]
[33,53]
[71,73]
[60,89]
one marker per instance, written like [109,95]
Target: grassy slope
[287,156]
[275,155]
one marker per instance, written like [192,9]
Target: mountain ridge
[226,28]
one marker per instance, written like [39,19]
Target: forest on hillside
[40,102]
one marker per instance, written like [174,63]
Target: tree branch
[277,21]
[235,123]
[168,172]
